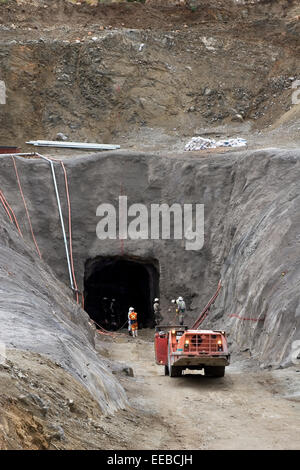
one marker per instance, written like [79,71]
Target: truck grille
[202,344]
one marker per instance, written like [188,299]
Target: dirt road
[243,410]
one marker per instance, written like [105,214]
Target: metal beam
[74,145]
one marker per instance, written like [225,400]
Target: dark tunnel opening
[131,283]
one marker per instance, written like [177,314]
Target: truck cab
[178,348]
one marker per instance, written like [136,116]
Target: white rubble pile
[200,143]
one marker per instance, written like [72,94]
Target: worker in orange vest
[131,309]
[133,321]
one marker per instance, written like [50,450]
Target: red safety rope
[26,209]
[233,315]
[5,207]
[103,331]
[5,203]
[109,333]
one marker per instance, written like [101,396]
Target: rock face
[251,204]
[38,315]
[261,270]
[95,84]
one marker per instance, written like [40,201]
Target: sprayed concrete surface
[251,201]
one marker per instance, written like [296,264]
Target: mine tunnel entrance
[113,284]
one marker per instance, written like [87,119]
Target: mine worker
[117,312]
[180,310]
[173,301]
[105,302]
[129,321]
[133,321]
[113,317]
[104,312]
[112,305]
[156,311]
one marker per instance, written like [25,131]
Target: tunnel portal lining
[130,282]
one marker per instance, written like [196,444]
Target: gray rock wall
[38,315]
[251,232]
[261,273]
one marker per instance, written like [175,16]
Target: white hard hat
[131,309]
[156,300]
[180,298]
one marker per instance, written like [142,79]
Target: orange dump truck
[179,349]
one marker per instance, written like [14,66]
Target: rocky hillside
[116,69]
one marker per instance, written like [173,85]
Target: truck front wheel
[214,371]
[166,370]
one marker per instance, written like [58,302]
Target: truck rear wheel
[166,370]
[214,371]
[175,371]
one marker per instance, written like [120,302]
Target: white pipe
[58,203]
[61,216]
[74,145]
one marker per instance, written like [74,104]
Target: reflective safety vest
[180,306]
[133,321]
[133,316]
